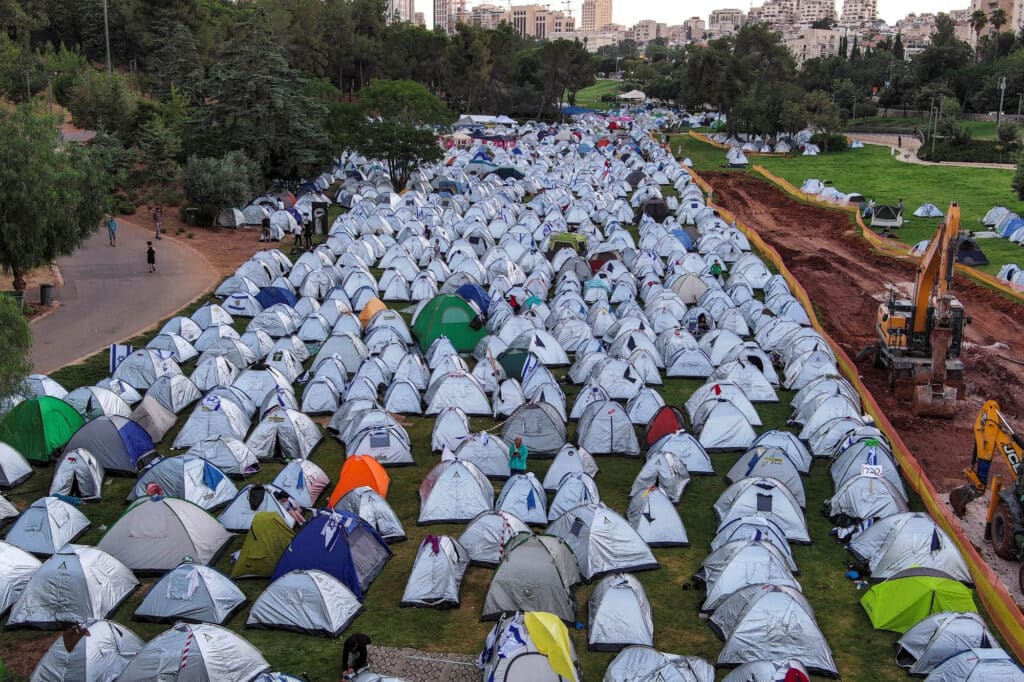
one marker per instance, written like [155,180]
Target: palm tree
[998,19]
[978,21]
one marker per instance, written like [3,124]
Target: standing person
[716,269]
[899,141]
[899,208]
[158,215]
[517,454]
[265,230]
[112,230]
[298,234]
[151,256]
[307,230]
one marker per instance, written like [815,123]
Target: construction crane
[1004,524]
[919,339]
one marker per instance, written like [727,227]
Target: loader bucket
[962,496]
[935,401]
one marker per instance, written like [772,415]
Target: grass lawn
[861,653]
[980,130]
[874,173]
[591,97]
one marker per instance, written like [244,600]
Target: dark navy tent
[268,296]
[476,294]
[969,252]
[338,543]
[306,188]
[684,238]
[297,214]
[117,443]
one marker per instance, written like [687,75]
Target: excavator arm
[935,273]
[992,434]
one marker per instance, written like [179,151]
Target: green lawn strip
[980,130]
[591,96]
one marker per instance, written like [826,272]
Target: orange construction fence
[998,603]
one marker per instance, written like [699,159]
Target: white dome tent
[312,602]
[195,652]
[191,593]
[101,652]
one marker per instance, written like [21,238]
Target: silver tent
[486,535]
[436,574]
[213,653]
[602,541]
[102,652]
[16,568]
[940,636]
[655,519]
[620,614]
[367,504]
[313,602]
[641,663]
[191,593]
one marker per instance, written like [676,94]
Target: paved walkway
[908,152]
[109,295]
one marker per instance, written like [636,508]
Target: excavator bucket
[962,496]
[937,401]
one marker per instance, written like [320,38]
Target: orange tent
[373,306]
[360,470]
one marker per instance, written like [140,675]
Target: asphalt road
[109,294]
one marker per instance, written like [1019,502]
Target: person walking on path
[517,454]
[112,230]
[158,217]
[899,141]
[151,256]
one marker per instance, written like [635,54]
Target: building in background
[646,30]
[596,14]
[420,19]
[400,10]
[858,12]
[537,21]
[487,16]
[595,40]
[810,11]
[775,12]
[693,29]
[723,22]
[809,43]
[447,14]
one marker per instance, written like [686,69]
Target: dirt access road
[846,279]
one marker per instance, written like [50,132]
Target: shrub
[1007,132]
[829,142]
[212,183]
[865,109]
[1018,177]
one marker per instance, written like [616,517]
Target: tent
[193,593]
[79,474]
[633,96]
[341,544]
[927,211]
[359,471]
[158,533]
[666,420]
[606,429]
[523,496]
[569,459]
[620,614]
[910,540]
[117,443]
[198,651]
[575,489]
[532,646]
[539,425]
[726,428]
[768,462]
[46,526]
[602,541]
[978,665]
[666,470]
[251,500]
[655,519]
[485,537]
[303,480]
[741,563]
[37,428]
[766,497]
[436,573]
[16,568]
[886,215]
[13,467]
[155,419]
[454,492]
[538,572]
[969,252]
[92,650]
[284,433]
[76,584]
[371,507]
[905,599]
[488,453]
[312,602]
[94,401]
[635,663]
[452,317]
[769,671]
[230,455]
[688,449]
[267,539]
[187,478]
[940,636]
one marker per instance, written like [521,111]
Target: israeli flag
[118,353]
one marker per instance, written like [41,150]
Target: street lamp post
[1002,93]
[106,36]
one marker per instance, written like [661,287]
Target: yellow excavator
[1004,524]
[919,339]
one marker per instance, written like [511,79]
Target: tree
[468,66]
[823,114]
[1018,177]
[175,64]
[69,191]
[978,21]
[15,346]
[158,147]
[403,102]
[216,183]
[401,147]
[998,19]
[897,48]
[106,103]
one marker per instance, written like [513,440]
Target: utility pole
[28,87]
[106,35]
[1020,101]
[935,127]
[1002,92]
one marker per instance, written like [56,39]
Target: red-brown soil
[846,279]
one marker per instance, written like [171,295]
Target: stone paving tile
[414,665]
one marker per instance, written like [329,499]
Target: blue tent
[268,296]
[684,238]
[1012,226]
[476,294]
[338,543]
[117,443]
[306,188]
[297,214]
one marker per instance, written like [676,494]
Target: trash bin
[45,294]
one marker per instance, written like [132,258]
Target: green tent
[450,316]
[37,428]
[576,242]
[902,601]
[268,538]
[512,361]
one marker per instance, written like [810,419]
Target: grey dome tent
[790,444]
[230,455]
[370,506]
[978,665]
[454,492]
[768,462]
[46,526]
[739,564]
[303,480]
[78,473]
[574,490]
[7,510]
[602,541]
[312,602]
[156,534]
[187,478]
[486,535]
[200,651]
[620,614]
[191,593]
[523,496]
[285,434]
[100,653]
[117,443]
[174,392]
[760,528]
[771,622]
[638,663]
[663,469]
[487,452]
[726,428]
[251,500]
[763,497]
[655,519]
[436,573]
[687,448]
[865,497]
[213,417]
[539,425]
[537,574]
[76,584]
[570,459]
[14,468]
[450,427]
[16,568]
[606,429]
[140,369]
[769,671]
[95,401]
[939,637]
[388,445]
[155,419]
[910,540]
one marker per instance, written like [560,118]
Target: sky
[628,12]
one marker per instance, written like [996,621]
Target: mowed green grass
[591,96]
[980,130]
[861,653]
[875,174]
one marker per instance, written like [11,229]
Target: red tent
[666,420]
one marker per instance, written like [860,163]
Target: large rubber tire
[1003,541]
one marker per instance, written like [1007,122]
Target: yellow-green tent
[902,601]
